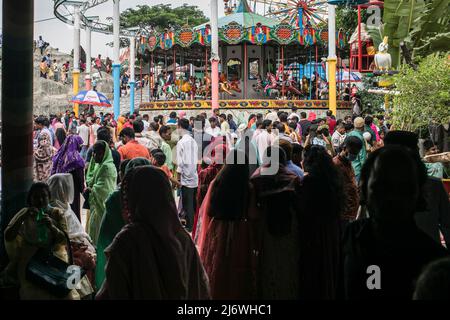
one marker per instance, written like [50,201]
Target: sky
[60,35]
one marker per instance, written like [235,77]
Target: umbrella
[91,97]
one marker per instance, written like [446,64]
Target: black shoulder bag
[51,273]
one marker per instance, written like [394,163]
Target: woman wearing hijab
[275,207]
[37,226]
[101,182]
[43,155]
[62,190]
[113,219]
[225,243]
[215,156]
[153,257]
[120,122]
[69,160]
[322,201]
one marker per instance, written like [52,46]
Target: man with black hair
[165,134]
[434,169]
[349,151]
[213,129]
[187,160]
[83,131]
[154,140]
[297,154]
[145,120]
[263,139]
[138,127]
[202,132]
[172,118]
[131,148]
[290,166]
[305,124]
[224,126]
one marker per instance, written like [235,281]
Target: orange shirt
[166,170]
[133,150]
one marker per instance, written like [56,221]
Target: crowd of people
[285,205]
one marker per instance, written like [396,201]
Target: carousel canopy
[244,16]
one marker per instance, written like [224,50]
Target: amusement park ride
[274,59]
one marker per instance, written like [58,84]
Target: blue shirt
[294,169]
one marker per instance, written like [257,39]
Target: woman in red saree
[152,257]
[225,237]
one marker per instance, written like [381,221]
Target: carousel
[266,61]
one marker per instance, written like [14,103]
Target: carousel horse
[272,84]
[323,89]
[228,86]
[205,89]
[167,87]
[290,87]
[259,85]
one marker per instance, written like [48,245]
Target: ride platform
[241,104]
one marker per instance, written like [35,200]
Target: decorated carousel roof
[244,16]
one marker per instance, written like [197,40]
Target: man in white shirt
[95,127]
[224,125]
[145,120]
[187,160]
[338,136]
[83,132]
[213,129]
[264,139]
[138,127]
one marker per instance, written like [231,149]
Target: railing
[85,5]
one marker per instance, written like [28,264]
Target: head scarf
[68,157]
[312,116]
[94,168]
[403,138]
[136,162]
[44,151]
[62,193]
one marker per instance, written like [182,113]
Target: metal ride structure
[264,63]
[73,13]
[299,13]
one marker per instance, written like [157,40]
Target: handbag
[51,273]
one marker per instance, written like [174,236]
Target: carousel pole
[214,56]
[310,75]
[282,71]
[140,76]
[359,41]
[332,58]
[16,112]
[150,66]
[76,56]
[245,70]
[116,52]
[88,58]
[317,73]
[132,80]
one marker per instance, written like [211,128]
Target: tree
[424,95]
[162,16]
[423,25]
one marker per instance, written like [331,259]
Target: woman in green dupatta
[101,182]
[113,220]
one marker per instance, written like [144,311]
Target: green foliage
[423,25]
[162,16]
[398,18]
[371,103]
[424,95]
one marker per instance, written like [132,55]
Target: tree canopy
[162,16]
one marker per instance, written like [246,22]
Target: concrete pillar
[214,56]
[332,58]
[88,58]
[17,111]
[132,76]
[116,61]
[76,55]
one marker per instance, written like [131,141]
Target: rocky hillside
[53,97]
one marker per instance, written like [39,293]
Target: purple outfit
[69,160]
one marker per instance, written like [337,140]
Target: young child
[158,158]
